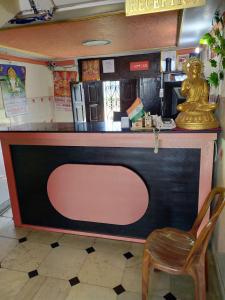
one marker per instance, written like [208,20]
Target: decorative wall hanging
[140,7]
[196,112]
[62,92]
[90,70]
[12,80]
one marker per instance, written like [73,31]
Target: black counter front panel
[171,177]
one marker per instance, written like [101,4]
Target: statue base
[196,120]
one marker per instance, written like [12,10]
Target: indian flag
[136,111]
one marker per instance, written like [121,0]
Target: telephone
[162,124]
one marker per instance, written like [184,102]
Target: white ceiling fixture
[61,10]
[34,14]
[90,43]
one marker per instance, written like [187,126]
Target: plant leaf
[214,79]
[207,39]
[223,63]
[222,42]
[213,63]
[221,75]
[218,50]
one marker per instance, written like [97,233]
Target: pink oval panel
[98,193]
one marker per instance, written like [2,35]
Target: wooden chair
[179,252]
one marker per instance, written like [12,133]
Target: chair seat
[169,247]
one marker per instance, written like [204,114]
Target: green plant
[216,42]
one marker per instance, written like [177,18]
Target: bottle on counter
[148,120]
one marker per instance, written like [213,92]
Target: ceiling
[78,20]
[64,39]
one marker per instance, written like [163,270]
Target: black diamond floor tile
[33,273]
[128,255]
[119,289]
[22,240]
[74,281]
[169,296]
[90,250]
[54,245]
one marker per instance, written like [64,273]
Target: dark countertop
[93,127]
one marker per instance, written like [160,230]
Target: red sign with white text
[139,65]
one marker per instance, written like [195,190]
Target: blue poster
[12,80]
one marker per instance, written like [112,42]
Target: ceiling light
[197,50]
[96,43]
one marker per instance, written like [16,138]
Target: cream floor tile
[7,229]
[106,245]
[76,241]
[43,237]
[31,288]
[103,269]
[159,283]
[134,262]
[91,292]
[10,283]
[182,287]
[137,249]
[6,245]
[8,213]
[213,296]
[26,257]
[53,289]
[213,281]
[137,296]
[129,296]
[132,278]
[63,262]
[155,297]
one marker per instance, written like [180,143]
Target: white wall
[39,93]
[8,9]
[219,178]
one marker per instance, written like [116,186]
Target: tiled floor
[39,265]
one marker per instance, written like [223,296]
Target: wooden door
[128,93]
[93,93]
[78,102]
[149,94]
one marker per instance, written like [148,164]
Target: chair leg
[198,274]
[145,275]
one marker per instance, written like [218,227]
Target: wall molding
[12,58]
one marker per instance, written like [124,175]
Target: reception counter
[97,180]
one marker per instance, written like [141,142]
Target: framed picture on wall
[91,70]
[108,66]
[181,59]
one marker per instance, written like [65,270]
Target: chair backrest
[217,195]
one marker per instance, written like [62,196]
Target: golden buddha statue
[196,112]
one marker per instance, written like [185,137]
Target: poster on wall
[12,81]
[108,66]
[62,92]
[90,70]
[181,60]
